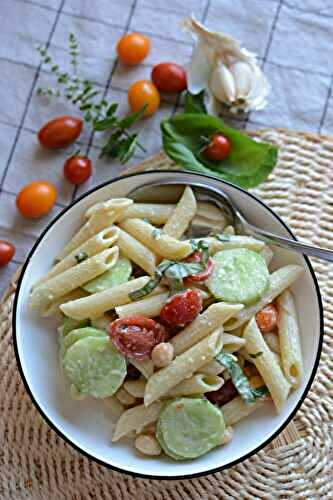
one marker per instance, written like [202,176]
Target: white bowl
[86,424]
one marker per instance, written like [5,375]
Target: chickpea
[162,354]
[227,436]
[148,445]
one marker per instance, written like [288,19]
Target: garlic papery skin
[229,73]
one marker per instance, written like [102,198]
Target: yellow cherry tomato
[36,199]
[143,92]
[133,48]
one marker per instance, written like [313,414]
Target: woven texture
[35,464]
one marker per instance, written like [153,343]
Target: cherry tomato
[169,77]
[60,132]
[267,318]
[133,48]
[77,169]
[36,199]
[7,251]
[223,395]
[218,148]
[143,92]
[182,308]
[196,257]
[136,336]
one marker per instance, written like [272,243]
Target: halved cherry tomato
[7,251]
[218,148]
[169,77]
[196,257]
[77,169]
[267,318]
[136,336]
[143,92]
[182,308]
[60,132]
[133,48]
[36,199]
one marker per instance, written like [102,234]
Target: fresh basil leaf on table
[248,164]
[195,103]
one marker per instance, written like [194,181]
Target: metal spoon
[154,192]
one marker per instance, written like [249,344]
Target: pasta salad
[182,338]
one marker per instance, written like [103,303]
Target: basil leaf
[81,256]
[130,119]
[180,270]
[195,103]
[238,377]
[248,164]
[256,355]
[260,392]
[222,237]
[145,290]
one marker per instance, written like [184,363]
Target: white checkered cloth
[292,37]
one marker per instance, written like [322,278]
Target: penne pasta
[272,340]
[232,343]
[53,308]
[200,383]
[228,242]
[213,367]
[213,317]
[96,244]
[117,204]
[291,355]
[266,364]
[124,397]
[211,213]
[73,278]
[278,281]
[135,387]
[164,245]
[149,308]
[237,410]
[155,213]
[115,407]
[182,216]
[136,419]
[182,367]
[97,304]
[267,254]
[146,366]
[137,252]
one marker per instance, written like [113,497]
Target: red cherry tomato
[77,169]
[141,93]
[36,199]
[182,308]
[7,251]
[136,336]
[267,318]
[60,132]
[133,48]
[196,257]
[169,77]
[218,148]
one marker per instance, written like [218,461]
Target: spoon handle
[289,244]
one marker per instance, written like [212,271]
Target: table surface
[293,39]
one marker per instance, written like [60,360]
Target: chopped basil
[180,270]
[81,256]
[240,381]
[145,290]
[156,234]
[222,237]
[203,247]
[256,355]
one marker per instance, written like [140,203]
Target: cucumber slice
[189,427]
[239,276]
[119,274]
[80,333]
[70,324]
[95,367]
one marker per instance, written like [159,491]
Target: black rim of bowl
[150,476]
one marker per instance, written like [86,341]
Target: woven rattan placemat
[35,464]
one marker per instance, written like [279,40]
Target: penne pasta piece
[199,383]
[232,343]
[155,213]
[229,230]
[117,204]
[278,281]
[182,367]
[115,407]
[267,254]
[164,245]
[73,278]
[124,397]
[212,368]
[181,217]
[53,308]
[289,337]
[96,244]
[136,419]
[213,317]
[212,213]
[136,387]
[146,367]
[272,340]
[236,409]
[148,445]
[266,364]
[149,307]
[137,252]
[97,304]
[228,242]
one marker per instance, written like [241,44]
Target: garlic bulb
[229,73]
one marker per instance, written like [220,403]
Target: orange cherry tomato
[169,77]
[143,92]
[218,148]
[267,318]
[133,48]
[77,169]
[60,132]
[7,251]
[36,199]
